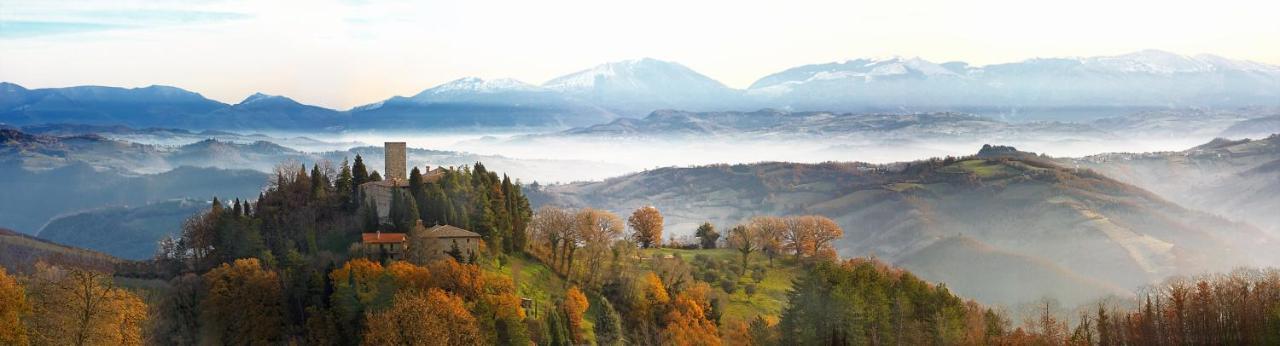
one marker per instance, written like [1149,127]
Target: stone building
[432,243]
[378,245]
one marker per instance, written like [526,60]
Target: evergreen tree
[345,186]
[608,325]
[375,176]
[359,174]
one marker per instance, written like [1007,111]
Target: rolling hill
[122,231]
[20,252]
[1021,218]
[1238,179]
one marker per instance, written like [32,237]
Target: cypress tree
[359,174]
[345,185]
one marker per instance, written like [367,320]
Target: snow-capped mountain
[1065,89]
[475,102]
[636,87]
[1145,79]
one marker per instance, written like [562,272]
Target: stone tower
[395,158]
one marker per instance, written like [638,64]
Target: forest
[285,268]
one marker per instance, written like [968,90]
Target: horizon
[362,52]
[231,100]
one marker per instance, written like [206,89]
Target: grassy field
[538,282]
[771,293]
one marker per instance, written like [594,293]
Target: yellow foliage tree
[423,318]
[13,310]
[575,306]
[82,307]
[244,305]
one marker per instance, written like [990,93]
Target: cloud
[19,21]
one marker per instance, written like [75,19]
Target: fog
[618,156]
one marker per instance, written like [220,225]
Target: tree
[746,240]
[595,232]
[550,226]
[647,224]
[769,231]
[404,211]
[82,307]
[687,322]
[575,306]
[423,318]
[359,174]
[608,325]
[244,304]
[13,311]
[178,318]
[708,235]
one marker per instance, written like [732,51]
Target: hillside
[1019,211]
[1237,179]
[20,252]
[122,231]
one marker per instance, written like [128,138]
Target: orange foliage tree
[575,306]
[647,224]
[432,317]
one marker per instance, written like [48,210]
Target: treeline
[1239,308]
[865,302]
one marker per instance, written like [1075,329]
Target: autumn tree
[432,317]
[596,231]
[687,322]
[13,311]
[575,306]
[243,305]
[551,226]
[707,235]
[82,307]
[646,222]
[769,233]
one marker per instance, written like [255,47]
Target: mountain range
[1045,89]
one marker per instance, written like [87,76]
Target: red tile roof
[382,238]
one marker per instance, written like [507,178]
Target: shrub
[710,276]
[750,289]
[729,286]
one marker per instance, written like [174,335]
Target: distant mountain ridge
[1051,88]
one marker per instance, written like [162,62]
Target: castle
[427,242]
[395,177]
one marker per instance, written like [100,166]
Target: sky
[346,53]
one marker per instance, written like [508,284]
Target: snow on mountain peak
[477,85]
[631,71]
[258,97]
